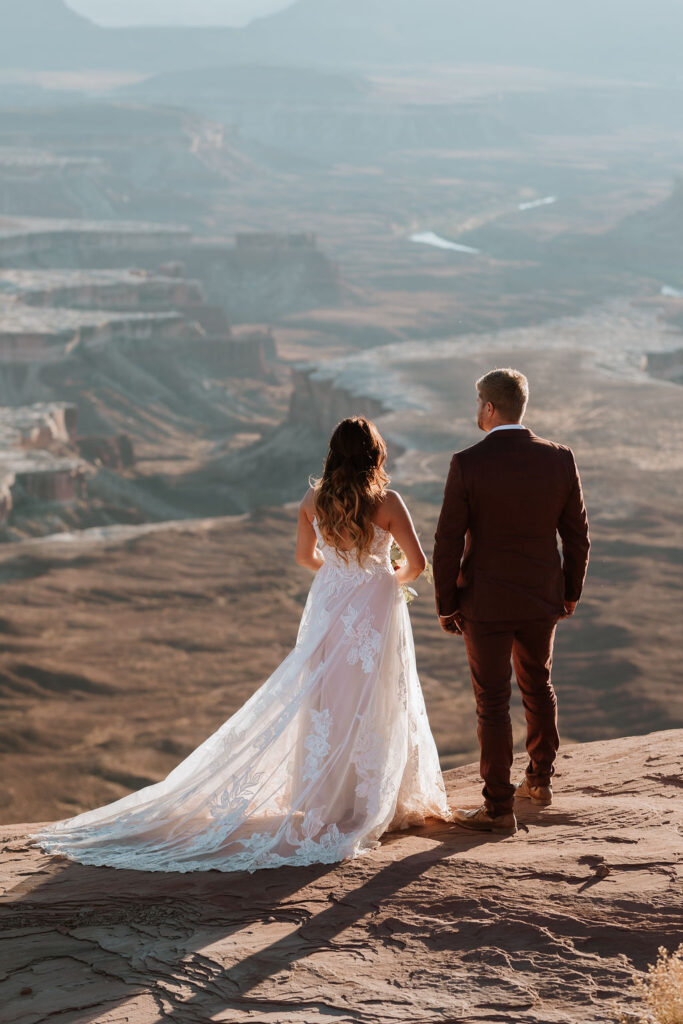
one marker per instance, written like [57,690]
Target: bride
[335,748]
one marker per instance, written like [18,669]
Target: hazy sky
[175,12]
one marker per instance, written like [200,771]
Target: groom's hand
[569,609]
[451,623]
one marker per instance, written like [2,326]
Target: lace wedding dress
[331,752]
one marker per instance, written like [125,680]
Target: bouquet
[398,559]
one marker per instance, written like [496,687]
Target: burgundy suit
[497,563]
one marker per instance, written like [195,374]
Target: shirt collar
[508,426]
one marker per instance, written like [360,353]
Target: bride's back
[377,547]
[350,511]
[380,521]
[349,496]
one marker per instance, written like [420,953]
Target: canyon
[205,353]
[86,299]
[205,263]
[206,288]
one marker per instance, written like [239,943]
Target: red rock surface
[438,925]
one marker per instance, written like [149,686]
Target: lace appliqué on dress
[309,849]
[367,759]
[316,743]
[364,639]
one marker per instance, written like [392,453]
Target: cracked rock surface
[437,925]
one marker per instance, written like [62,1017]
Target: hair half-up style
[353,482]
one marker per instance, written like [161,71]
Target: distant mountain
[39,16]
[611,37]
[600,35]
[48,35]
[35,31]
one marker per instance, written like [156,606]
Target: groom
[500,583]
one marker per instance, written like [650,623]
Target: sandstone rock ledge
[437,925]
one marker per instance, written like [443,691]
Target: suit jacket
[496,554]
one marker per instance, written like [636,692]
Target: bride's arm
[307,553]
[400,525]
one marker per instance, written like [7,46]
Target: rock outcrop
[50,242]
[30,334]
[124,289]
[39,478]
[38,462]
[542,927]
[265,275]
[321,396]
[261,277]
[44,461]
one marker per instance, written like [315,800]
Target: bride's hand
[404,574]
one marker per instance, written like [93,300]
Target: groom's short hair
[507,390]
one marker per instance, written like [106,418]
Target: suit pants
[491,647]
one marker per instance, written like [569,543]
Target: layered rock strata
[46,242]
[115,289]
[43,459]
[42,334]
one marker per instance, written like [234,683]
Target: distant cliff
[265,275]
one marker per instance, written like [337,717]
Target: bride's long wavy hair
[353,481]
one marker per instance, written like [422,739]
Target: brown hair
[352,483]
[507,390]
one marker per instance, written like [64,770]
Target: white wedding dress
[331,752]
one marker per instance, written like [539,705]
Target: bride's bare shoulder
[390,505]
[307,503]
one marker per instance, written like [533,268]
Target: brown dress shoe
[481,821]
[537,794]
